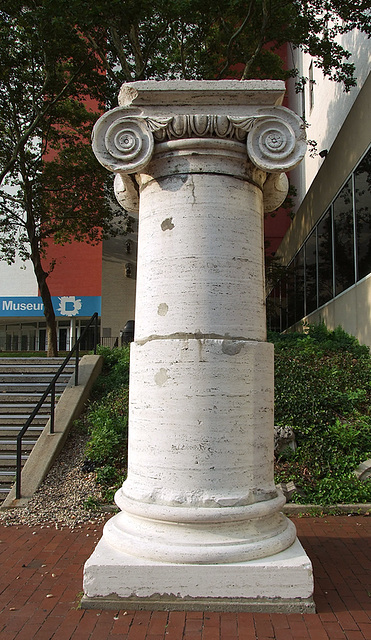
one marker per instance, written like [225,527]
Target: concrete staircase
[22,383]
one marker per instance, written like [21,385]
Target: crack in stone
[196,336]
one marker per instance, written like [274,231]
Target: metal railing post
[77,360]
[95,334]
[18,470]
[52,407]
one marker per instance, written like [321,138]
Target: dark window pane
[310,273]
[362,183]
[295,288]
[299,285]
[344,239]
[273,309]
[284,303]
[324,234]
[290,285]
[87,342]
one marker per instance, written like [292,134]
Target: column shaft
[201,386]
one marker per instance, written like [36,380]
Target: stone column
[200,522]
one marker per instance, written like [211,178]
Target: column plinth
[200,491]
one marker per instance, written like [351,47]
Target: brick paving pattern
[41,582]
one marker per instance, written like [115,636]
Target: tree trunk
[41,276]
[35,254]
[51,329]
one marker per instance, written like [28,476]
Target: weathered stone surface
[283,581]
[283,437]
[363,471]
[200,514]
[123,138]
[178,94]
[201,231]
[288,489]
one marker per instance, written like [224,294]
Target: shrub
[323,391]
[107,421]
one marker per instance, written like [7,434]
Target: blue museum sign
[64,306]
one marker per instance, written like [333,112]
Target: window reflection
[344,239]
[311,272]
[328,261]
[362,185]
[324,230]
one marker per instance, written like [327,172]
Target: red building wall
[77,270]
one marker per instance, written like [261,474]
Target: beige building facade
[119,273]
[327,249]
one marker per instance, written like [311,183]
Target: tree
[51,186]
[54,56]
[139,39]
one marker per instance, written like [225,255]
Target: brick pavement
[41,582]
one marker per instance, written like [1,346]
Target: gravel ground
[60,500]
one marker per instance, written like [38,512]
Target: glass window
[290,288]
[284,303]
[299,285]
[295,288]
[329,265]
[311,272]
[273,309]
[362,186]
[42,339]
[344,239]
[324,249]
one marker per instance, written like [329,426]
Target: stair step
[10,459]
[19,418]
[4,490]
[22,383]
[42,378]
[6,475]
[56,362]
[28,387]
[11,431]
[34,368]
[23,408]
[11,445]
[15,399]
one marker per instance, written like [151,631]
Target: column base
[280,583]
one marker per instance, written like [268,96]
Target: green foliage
[218,38]
[323,391]
[109,427]
[51,187]
[62,62]
[91,504]
[107,420]
[115,369]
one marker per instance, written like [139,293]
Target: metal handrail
[51,390]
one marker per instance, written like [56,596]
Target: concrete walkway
[41,582]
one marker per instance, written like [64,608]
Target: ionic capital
[124,142]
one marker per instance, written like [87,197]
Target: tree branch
[138,57]
[233,38]
[103,58]
[150,47]
[116,41]
[23,139]
[250,62]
